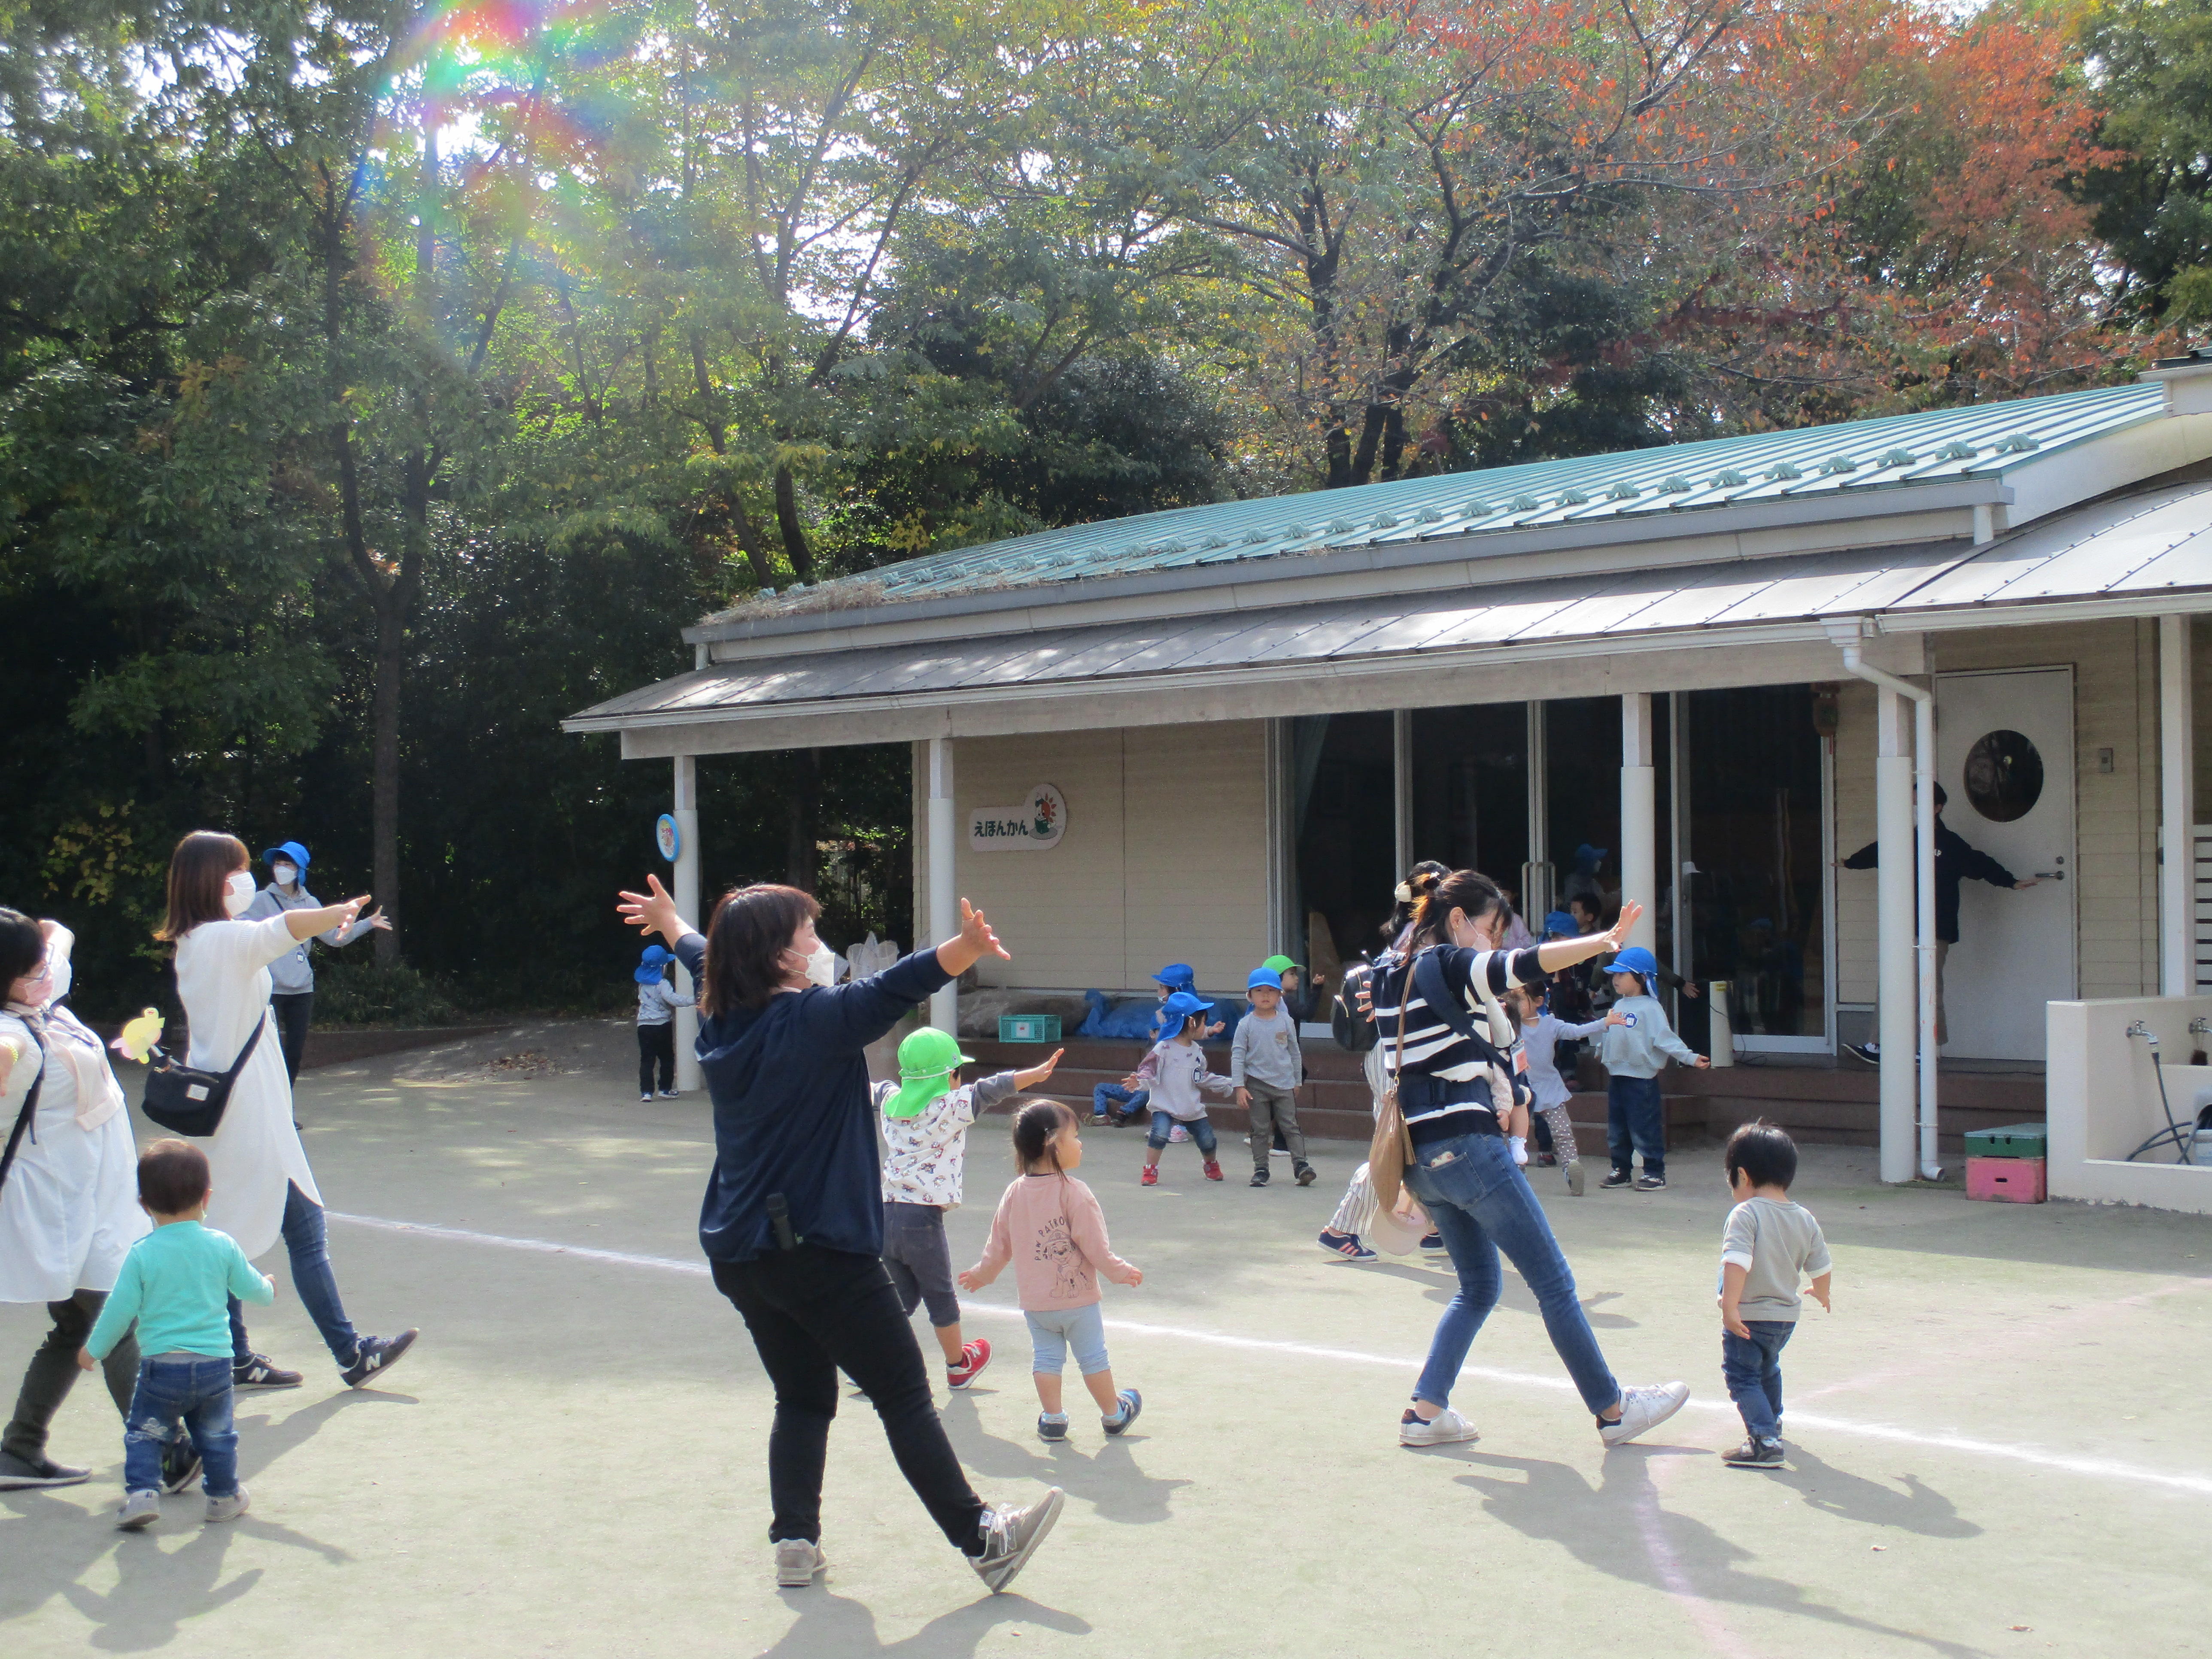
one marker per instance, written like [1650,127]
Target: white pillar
[686,894]
[2177,766]
[943,895]
[1923,863]
[1639,817]
[1402,784]
[1893,839]
[1538,892]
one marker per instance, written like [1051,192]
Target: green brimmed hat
[1281,964]
[927,1058]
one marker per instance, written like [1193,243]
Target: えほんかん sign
[1037,823]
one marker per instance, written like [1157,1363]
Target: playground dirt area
[1996,1442]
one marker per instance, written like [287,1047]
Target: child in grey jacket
[1637,1045]
[1266,1067]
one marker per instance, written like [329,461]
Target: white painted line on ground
[2098,1469]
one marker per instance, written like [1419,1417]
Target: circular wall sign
[2003,775]
[667,837]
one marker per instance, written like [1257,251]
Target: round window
[2004,776]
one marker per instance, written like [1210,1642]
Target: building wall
[1164,858]
[2115,813]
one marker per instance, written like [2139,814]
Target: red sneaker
[974,1355]
[1213,1170]
[1151,1176]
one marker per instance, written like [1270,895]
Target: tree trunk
[802,861]
[787,521]
[383,772]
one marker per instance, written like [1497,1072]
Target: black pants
[292,1009]
[53,1371]
[812,1312]
[656,1044]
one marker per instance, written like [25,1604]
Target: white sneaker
[1446,1426]
[645,1097]
[1642,1410]
[1011,1536]
[139,1509]
[668,1094]
[797,1561]
[229,1509]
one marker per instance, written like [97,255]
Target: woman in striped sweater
[1456,1082]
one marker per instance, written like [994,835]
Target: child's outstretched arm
[997,1252]
[1037,1073]
[1663,1039]
[1086,1225]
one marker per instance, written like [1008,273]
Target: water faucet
[2140,1029]
[2199,1026]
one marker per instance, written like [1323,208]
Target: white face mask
[237,892]
[821,966]
[286,874]
[49,985]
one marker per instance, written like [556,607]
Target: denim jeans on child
[1201,1130]
[1056,1330]
[1112,1100]
[1479,1199]
[1752,1369]
[306,1241]
[195,1390]
[1636,1115]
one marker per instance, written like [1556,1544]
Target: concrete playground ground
[1997,1442]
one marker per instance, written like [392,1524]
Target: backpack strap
[30,1107]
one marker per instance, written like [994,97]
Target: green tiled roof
[1891,452]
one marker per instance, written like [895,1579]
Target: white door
[2004,754]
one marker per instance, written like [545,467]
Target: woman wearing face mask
[262,1185]
[1454,1065]
[293,1000]
[793,1223]
[69,1206]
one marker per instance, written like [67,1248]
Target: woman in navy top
[792,1219]
[1459,1076]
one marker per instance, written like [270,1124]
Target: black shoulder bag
[190,1100]
[30,1107]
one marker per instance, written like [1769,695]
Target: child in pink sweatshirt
[1051,1228]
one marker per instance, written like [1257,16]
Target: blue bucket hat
[1634,960]
[649,965]
[1177,976]
[1561,922]
[287,849]
[1264,976]
[1588,857]
[1177,1009]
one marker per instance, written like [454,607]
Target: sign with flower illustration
[1037,823]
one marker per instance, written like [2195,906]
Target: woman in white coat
[262,1186]
[69,1205]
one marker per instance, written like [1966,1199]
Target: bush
[368,993]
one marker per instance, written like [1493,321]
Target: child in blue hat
[1113,1104]
[657,1003]
[1636,1046]
[1175,1075]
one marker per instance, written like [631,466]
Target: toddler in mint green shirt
[176,1285]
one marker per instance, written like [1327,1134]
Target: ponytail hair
[1420,881]
[1469,891]
[1036,1123]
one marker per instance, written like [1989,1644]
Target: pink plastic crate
[2006,1180]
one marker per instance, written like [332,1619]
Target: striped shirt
[1454,1085]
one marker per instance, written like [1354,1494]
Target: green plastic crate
[1028,1028]
[2013,1140]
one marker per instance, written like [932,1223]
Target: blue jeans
[196,1392]
[1201,1131]
[1054,1332]
[1481,1203]
[1753,1370]
[308,1242]
[1112,1100]
[1635,1114]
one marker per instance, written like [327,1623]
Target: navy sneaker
[256,1371]
[377,1355]
[1051,1427]
[1756,1455]
[1346,1245]
[1132,1403]
[181,1464]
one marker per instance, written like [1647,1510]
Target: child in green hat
[926,1114]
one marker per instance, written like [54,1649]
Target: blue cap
[1266,976]
[1634,960]
[1177,976]
[1561,922]
[650,964]
[1588,857]
[1178,1008]
[287,849]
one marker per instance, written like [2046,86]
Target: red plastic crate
[2007,1180]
